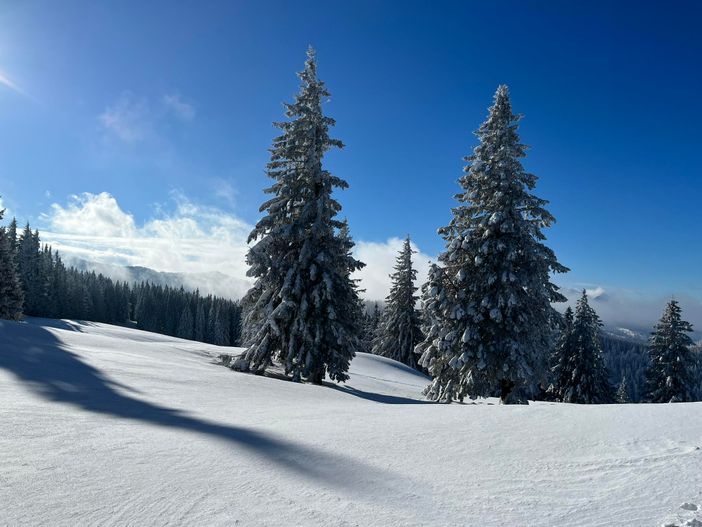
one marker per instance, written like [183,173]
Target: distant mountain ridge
[213,282]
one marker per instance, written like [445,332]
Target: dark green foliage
[11,296]
[495,319]
[626,359]
[672,373]
[303,310]
[399,331]
[579,372]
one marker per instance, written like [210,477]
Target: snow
[104,425]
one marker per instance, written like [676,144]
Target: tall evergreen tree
[32,272]
[498,321]
[399,330]
[582,376]
[11,296]
[671,373]
[305,302]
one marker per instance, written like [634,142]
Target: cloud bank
[192,238]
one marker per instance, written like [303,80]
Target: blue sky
[167,107]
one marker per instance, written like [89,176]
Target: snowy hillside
[113,426]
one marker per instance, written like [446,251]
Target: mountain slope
[113,426]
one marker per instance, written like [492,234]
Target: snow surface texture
[102,425]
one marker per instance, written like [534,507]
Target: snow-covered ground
[101,425]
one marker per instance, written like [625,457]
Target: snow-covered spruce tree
[622,396]
[584,378]
[561,358]
[437,349]
[305,303]
[498,322]
[399,331]
[11,297]
[670,376]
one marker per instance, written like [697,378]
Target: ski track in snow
[103,425]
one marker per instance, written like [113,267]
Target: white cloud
[380,261]
[191,239]
[128,118]
[181,109]
[133,119]
[96,215]
[225,191]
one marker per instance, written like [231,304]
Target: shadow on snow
[38,358]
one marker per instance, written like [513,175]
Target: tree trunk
[316,377]
[506,387]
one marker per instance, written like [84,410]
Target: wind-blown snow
[113,426]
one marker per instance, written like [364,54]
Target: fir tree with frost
[436,350]
[670,376]
[583,378]
[561,358]
[623,392]
[496,319]
[11,296]
[304,304]
[399,331]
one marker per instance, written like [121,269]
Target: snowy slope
[102,425]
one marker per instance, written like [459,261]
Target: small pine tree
[304,305]
[623,392]
[496,316]
[670,376]
[11,296]
[399,331]
[581,375]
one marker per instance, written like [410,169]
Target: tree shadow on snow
[376,397]
[37,357]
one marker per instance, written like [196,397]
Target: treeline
[35,282]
